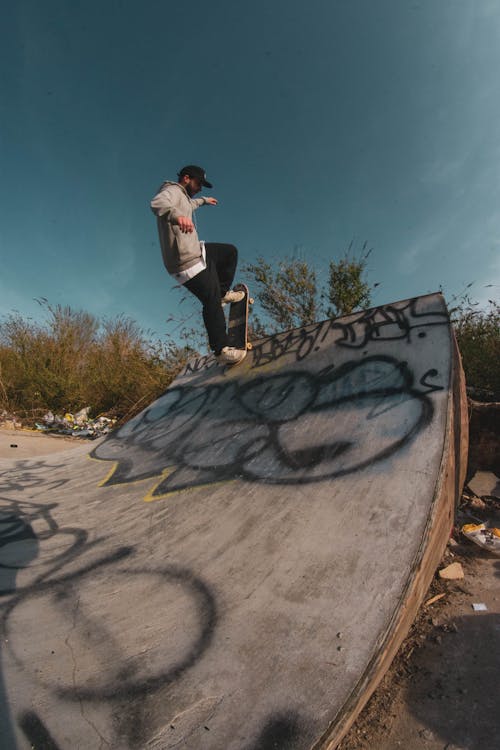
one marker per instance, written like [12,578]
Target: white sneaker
[231,356]
[231,296]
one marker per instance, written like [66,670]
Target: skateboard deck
[237,334]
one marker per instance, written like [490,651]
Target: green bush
[478,336]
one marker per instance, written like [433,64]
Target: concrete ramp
[239,563]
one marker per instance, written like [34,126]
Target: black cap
[192,171]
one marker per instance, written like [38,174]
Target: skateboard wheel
[249,346]
[251,300]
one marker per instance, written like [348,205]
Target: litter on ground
[77,425]
[487,537]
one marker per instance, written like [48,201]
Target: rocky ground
[442,691]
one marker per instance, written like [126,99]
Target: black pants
[210,286]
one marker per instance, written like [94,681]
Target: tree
[347,290]
[289,296]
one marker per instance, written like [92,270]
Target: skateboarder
[205,269]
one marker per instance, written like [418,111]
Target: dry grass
[72,360]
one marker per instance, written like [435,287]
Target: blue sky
[318,123]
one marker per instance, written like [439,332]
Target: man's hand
[185,224]
[212,201]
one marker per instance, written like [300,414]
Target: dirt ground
[22,444]
[442,691]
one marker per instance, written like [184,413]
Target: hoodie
[180,250]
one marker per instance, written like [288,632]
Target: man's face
[193,186]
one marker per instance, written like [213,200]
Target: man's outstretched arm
[163,204]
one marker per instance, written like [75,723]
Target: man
[207,270]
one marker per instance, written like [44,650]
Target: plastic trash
[483,535]
[77,425]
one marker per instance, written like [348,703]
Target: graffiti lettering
[394,322]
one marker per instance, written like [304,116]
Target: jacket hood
[171,182]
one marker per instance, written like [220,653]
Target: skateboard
[237,333]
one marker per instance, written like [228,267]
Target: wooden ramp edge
[437,533]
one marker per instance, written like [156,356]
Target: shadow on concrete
[18,547]
[456,695]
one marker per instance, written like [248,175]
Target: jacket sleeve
[164,204]
[197,202]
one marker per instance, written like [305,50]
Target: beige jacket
[180,250]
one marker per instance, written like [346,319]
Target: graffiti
[289,426]
[295,427]
[129,675]
[396,322]
[388,323]
[66,596]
